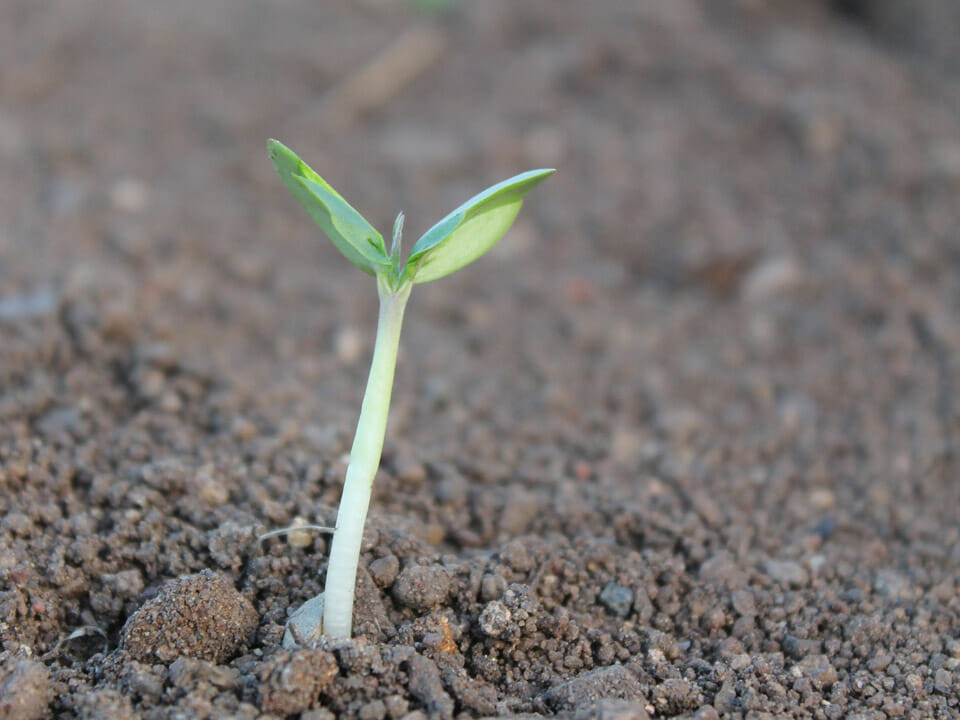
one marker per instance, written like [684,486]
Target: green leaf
[357,239]
[470,230]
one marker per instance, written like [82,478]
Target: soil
[683,445]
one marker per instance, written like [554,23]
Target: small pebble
[617,599]
[300,538]
[495,619]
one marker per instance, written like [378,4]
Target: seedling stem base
[364,460]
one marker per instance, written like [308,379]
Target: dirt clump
[422,587]
[291,682]
[614,682]
[25,689]
[196,616]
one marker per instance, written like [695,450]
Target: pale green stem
[364,461]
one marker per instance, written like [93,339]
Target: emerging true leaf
[357,239]
[470,230]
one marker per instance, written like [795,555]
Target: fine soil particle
[195,616]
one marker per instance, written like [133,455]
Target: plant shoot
[457,240]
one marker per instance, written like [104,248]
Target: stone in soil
[617,599]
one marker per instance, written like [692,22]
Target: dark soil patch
[684,445]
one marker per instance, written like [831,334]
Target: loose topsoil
[683,445]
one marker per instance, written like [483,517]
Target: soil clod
[291,682]
[25,690]
[614,682]
[422,587]
[197,616]
[426,687]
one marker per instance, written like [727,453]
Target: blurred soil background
[683,445]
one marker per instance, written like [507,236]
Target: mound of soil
[683,445]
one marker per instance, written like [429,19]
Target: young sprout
[457,240]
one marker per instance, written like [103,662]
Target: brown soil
[684,445]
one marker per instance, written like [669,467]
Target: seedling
[457,240]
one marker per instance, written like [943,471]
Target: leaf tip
[542,172]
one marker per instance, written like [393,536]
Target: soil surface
[683,445]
